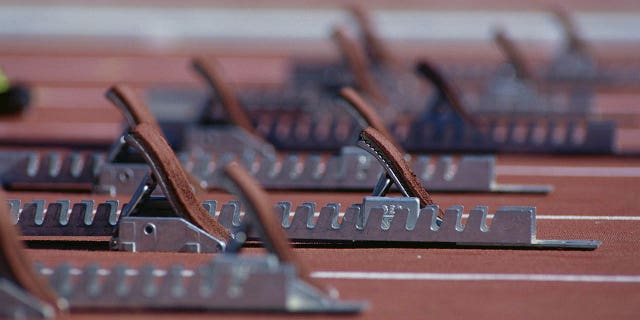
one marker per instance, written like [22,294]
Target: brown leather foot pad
[390,154]
[167,168]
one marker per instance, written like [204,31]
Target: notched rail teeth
[227,283]
[61,219]
[144,287]
[453,135]
[352,169]
[400,223]
[377,219]
[356,170]
[52,170]
[611,74]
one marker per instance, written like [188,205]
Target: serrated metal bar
[50,171]
[505,95]
[451,134]
[377,219]
[606,74]
[352,169]
[327,74]
[425,131]
[56,219]
[228,283]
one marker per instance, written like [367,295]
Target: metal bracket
[508,95]
[140,234]
[573,66]
[150,223]
[225,139]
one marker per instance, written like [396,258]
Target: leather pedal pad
[17,268]
[263,220]
[211,72]
[395,165]
[365,113]
[131,105]
[172,178]
[357,62]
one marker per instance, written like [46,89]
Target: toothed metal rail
[377,219]
[229,282]
[611,74]
[329,74]
[505,95]
[451,134]
[353,169]
[300,129]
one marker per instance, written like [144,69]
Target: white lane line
[428,276]
[575,217]
[159,23]
[538,216]
[515,170]
[422,276]
[572,217]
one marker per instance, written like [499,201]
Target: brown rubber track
[74,98]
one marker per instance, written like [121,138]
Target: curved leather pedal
[173,179]
[265,220]
[365,111]
[394,159]
[211,72]
[136,111]
[430,72]
[574,42]
[357,61]
[512,54]
[132,107]
[16,267]
[378,51]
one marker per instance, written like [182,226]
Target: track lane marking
[160,25]
[431,276]
[559,171]
[573,217]
[412,276]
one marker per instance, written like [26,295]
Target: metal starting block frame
[451,134]
[167,234]
[514,103]
[505,94]
[508,95]
[564,69]
[377,219]
[229,283]
[444,130]
[383,219]
[352,169]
